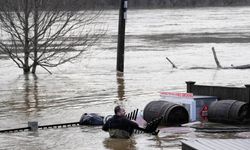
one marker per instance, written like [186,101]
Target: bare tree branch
[216,59]
[43,34]
[247,66]
[173,65]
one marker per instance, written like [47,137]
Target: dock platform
[211,127]
[216,144]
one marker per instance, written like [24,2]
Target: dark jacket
[121,123]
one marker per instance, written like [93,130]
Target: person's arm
[132,124]
[106,126]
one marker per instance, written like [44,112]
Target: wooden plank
[230,143]
[242,144]
[221,144]
[211,143]
[248,141]
[233,144]
[217,144]
[195,145]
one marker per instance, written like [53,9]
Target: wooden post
[33,125]
[121,86]
[121,35]
[248,98]
[189,86]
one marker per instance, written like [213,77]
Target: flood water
[90,85]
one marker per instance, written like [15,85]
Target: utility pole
[121,35]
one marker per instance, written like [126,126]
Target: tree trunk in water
[26,69]
[34,67]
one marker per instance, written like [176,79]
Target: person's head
[119,111]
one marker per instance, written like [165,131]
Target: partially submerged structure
[233,105]
[202,103]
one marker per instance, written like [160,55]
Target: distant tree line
[113,4]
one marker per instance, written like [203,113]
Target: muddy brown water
[91,85]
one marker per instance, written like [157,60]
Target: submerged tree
[247,66]
[46,33]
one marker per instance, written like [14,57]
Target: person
[119,126]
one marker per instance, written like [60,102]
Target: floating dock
[216,144]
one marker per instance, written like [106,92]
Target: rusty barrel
[173,114]
[227,111]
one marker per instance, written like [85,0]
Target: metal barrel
[227,111]
[173,114]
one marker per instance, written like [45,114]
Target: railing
[70,124]
[234,93]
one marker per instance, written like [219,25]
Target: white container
[192,103]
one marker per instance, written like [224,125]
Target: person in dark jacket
[119,126]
